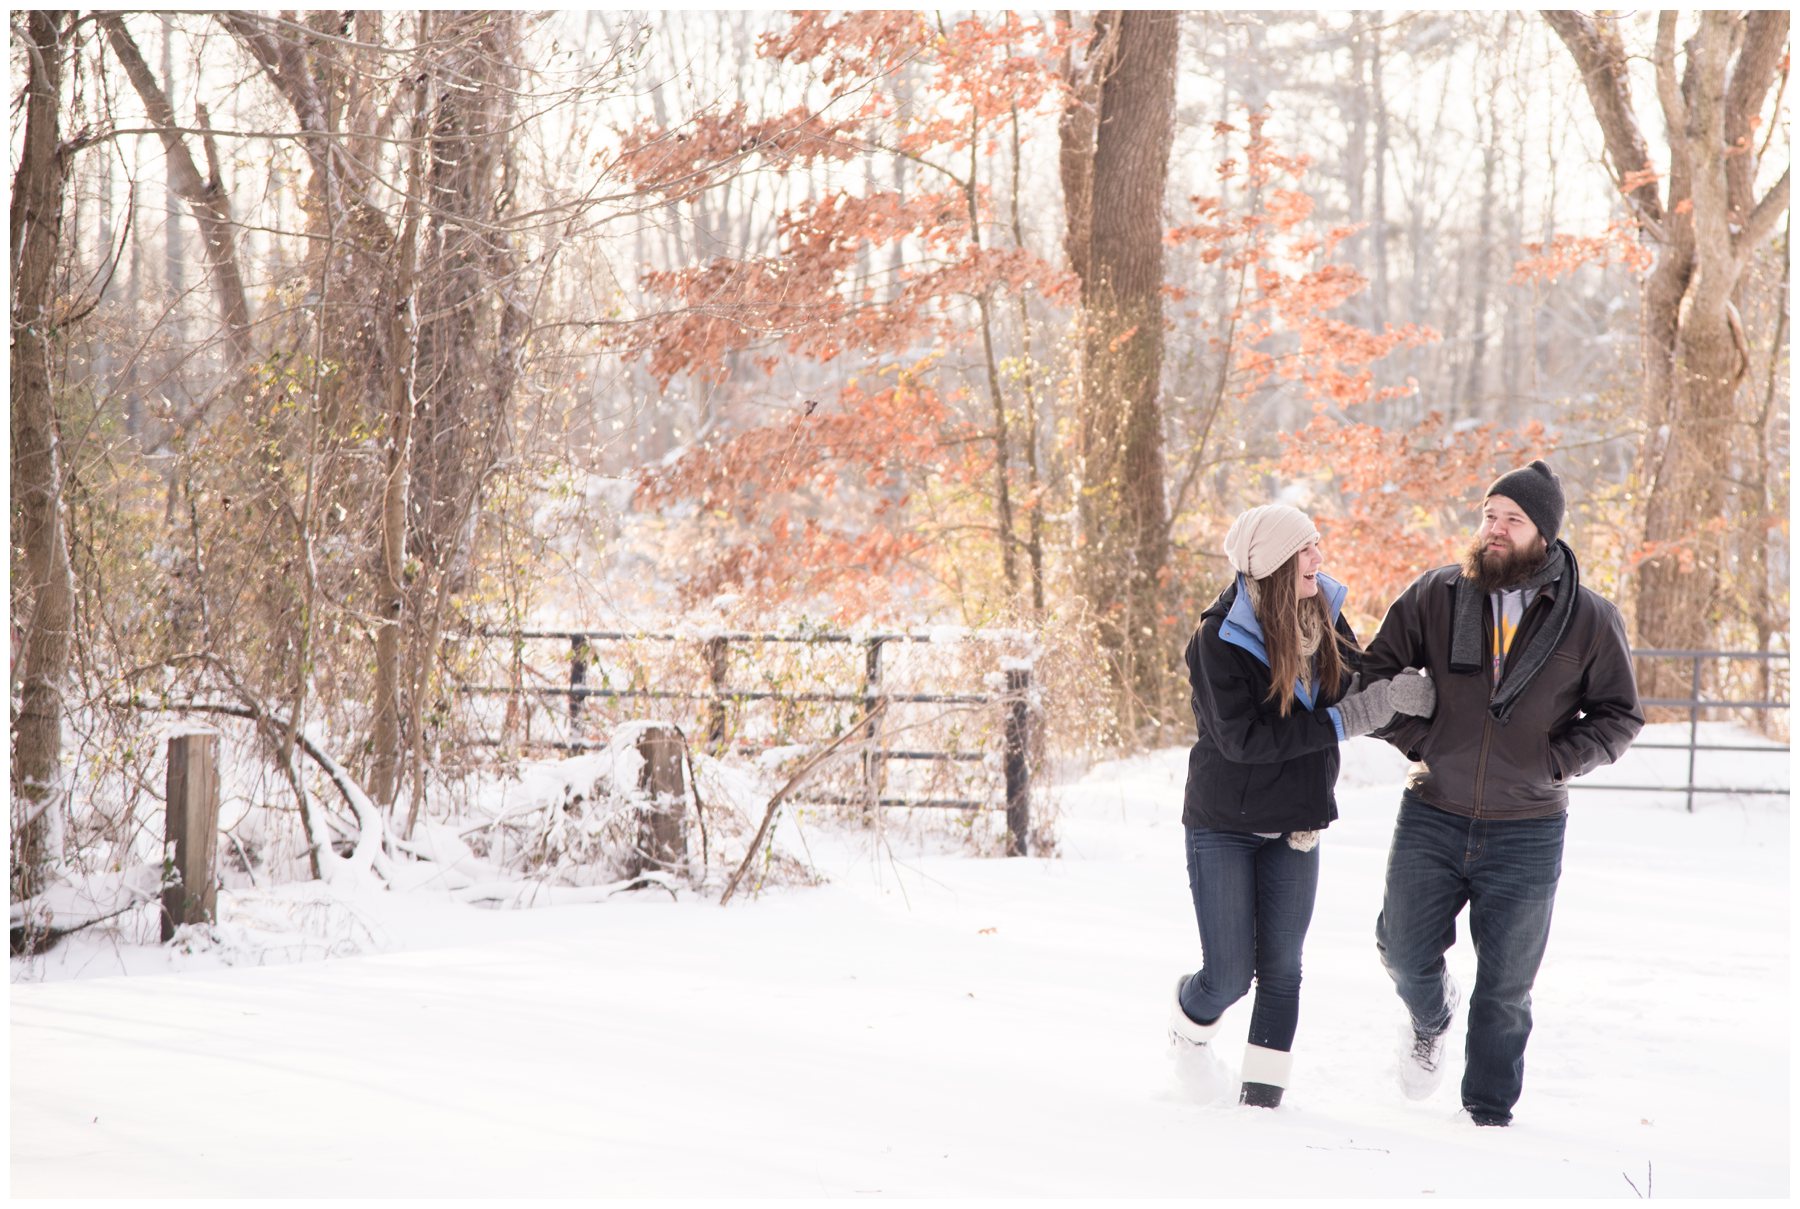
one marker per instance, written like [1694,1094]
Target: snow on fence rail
[1774,690]
[991,732]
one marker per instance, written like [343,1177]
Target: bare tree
[43,588]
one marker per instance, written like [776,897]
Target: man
[1534,687]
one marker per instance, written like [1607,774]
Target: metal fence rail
[1694,704]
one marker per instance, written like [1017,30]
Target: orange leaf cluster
[770,494]
[1566,253]
[805,294]
[849,49]
[878,438]
[1631,182]
[1328,357]
[680,163]
[806,559]
[1683,547]
[986,71]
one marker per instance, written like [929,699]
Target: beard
[1495,571]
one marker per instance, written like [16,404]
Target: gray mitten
[1412,692]
[1363,712]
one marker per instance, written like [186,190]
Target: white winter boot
[1197,1067]
[1266,1074]
[1420,1056]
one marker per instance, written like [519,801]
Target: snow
[925,1023]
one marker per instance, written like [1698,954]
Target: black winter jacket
[1581,711]
[1251,769]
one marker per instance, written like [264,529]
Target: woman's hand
[1412,692]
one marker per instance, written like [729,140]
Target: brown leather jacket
[1579,713]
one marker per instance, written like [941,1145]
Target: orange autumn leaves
[812,503]
[781,495]
[1290,283]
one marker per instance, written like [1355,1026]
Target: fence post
[191,825]
[871,759]
[715,712]
[1018,766]
[578,654]
[1693,732]
[662,833]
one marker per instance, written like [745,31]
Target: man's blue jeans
[1254,899]
[1506,872]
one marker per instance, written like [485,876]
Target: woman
[1271,667]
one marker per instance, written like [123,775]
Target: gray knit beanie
[1263,538]
[1538,493]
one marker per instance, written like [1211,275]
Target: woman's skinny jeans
[1254,899]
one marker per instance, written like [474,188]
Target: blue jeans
[1506,872]
[1253,898]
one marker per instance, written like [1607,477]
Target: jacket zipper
[1487,734]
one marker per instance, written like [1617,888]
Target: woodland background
[338,338]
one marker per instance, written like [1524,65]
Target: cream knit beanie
[1263,538]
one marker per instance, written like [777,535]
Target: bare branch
[207,199]
[1765,45]
[793,783]
[1600,57]
[1761,222]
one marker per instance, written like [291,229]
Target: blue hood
[1241,628]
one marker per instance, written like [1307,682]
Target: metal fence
[711,652]
[1695,703]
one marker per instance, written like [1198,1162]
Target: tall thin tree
[43,587]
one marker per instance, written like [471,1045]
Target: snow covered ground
[924,1024]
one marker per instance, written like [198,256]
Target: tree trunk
[1768,603]
[43,586]
[1124,551]
[1697,371]
[205,196]
[1034,503]
[469,342]
[1378,220]
[1480,322]
[174,237]
[1003,507]
[402,402]
[1075,130]
[1356,151]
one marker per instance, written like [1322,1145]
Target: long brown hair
[1281,613]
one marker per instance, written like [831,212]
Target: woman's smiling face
[1306,570]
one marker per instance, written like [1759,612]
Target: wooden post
[871,759]
[578,653]
[192,830]
[715,712]
[662,834]
[1018,765]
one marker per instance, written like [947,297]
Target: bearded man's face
[1507,550]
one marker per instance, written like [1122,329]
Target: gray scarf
[1467,629]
